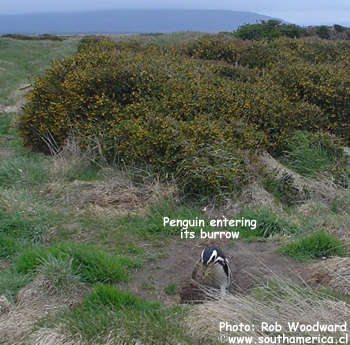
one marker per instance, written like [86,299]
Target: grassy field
[85,258]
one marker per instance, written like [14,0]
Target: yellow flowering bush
[196,111]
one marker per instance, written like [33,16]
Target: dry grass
[333,273]
[33,303]
[51,336]
[323,216]
[65,158]
[282,302]
[321,187]
[114,192]
[113,195]
[57,336]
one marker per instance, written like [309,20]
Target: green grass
[82,172]
[267,224]
[26,169]
[5,122]
[170,289]
[21,60]
[152,222]
[59,274]
[124,317]
[8,246]
[317,245]
[106,295]
[91,263]
[11,281]
[309,153]
[18,226]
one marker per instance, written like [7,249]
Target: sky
[301,12]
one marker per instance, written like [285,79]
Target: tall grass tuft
[91,263]
[317,245]
[309,153]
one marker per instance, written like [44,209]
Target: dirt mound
[333,273]
[319,188]
[114,194]
[33,303]
[251,264]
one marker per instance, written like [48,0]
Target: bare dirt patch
[251,263]
[333,273]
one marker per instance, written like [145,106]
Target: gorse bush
[187,117]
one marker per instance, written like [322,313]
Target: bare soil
[250,262]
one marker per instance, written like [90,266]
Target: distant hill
[127,21]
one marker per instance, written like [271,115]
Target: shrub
[319,244]
[265,30]
[193,119]
[34,38]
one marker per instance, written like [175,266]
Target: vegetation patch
[8,246]
[317,245]
[34,38]
[5,123]
[91,263]
[17,226]
[59,274]
[26,169]
[151,224]
[308,153]
[267,224]
[132,319]
[284,189]
[171,289]
[11,281]
[186,117]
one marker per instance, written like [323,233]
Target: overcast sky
[301,12]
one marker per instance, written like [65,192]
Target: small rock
[5,305]
[347,154]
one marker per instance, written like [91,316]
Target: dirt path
[251,263]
